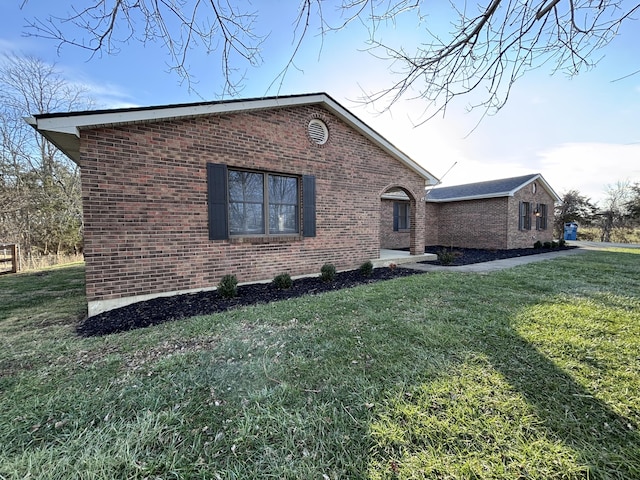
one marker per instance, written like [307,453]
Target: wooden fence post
[14,258]
[13,251]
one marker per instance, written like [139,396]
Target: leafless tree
[489,46]
[633,205]
[40,201]
[615,214]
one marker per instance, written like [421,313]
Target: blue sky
[581,133]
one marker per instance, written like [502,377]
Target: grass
[532,372]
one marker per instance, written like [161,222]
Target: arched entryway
[401,220]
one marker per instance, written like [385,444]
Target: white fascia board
[70,125]
[470,197]
[547,187]
[387,146]
[65,123]
[551,191]
[64,130]
[522,185]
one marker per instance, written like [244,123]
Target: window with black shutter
[524,222]
[253,203]
[541,216]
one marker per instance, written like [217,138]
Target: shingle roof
[504,187]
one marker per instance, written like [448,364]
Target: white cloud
[108,95]
[590,167]
[16,46]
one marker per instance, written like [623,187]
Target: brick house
[177,196]
[498,214]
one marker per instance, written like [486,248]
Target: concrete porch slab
[398,257]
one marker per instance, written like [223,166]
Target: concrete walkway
[411,261]
[400,257]
[494,265]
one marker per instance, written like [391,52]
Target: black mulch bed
[165,309]
[467,256]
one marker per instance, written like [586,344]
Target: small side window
[401,216]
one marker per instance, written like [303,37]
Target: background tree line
[617,219]
[40,195]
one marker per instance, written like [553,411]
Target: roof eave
[537,177]
[63,129]
[66,138]
[374,136]
[469,197]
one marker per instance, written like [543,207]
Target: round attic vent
[318,132]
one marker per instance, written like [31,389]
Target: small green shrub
[228,286]
[446,257]
[283,281]
[366,268]
[562,243]
[328,272]
[546,245]
[537,245]
[555,244]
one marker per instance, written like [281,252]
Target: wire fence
[37,262]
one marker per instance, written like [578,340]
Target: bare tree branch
[489,46]
[489,51]
[179,25]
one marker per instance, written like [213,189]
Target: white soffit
[63,129]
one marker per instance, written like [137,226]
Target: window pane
[246,203]
[283,190]
[246,187]
[403,216]
[283,204]
[245,218]
[283,218]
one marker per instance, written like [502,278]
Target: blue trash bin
[571,231]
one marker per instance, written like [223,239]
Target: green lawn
[529,373]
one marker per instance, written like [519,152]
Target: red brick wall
[473,223]
[487,223]
[145,200]
[431,230]
[526,238]
[388,237]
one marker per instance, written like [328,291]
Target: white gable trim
[539,178]
[63,130]
[470,197]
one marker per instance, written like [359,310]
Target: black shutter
[521,216]
[308,206]
[217,200]
[396,215]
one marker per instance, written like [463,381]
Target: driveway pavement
[603,245]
